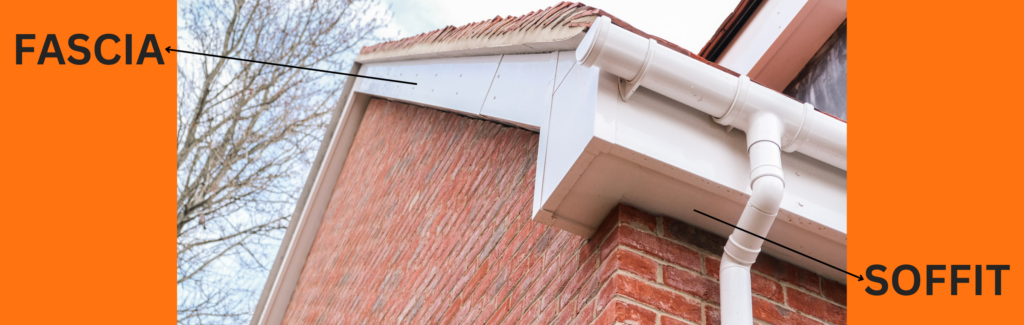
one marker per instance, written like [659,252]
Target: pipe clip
[628,87]
[738,100]
[744,256]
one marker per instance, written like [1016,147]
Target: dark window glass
[822,82]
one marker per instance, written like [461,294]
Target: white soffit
[781,37]
[667,158]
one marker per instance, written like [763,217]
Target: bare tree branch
[247,133]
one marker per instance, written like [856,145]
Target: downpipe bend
[767,189]
[773,123]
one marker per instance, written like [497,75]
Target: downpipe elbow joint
[738,256]
[767,189]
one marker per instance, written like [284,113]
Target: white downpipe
[767,187]
[773,123]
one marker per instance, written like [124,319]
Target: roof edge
[619,22]
[307,189]
[729,29]
[534,40]
[567,44]
[553,24]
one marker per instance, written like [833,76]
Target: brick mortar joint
[703,253]
[799,312]
[659,232]
[514,236]
[656,285]
[561,312]
[575,295]
[798,288]
[673,290]
[712,304]
[579,313]
[513,268]
[781,282]
[662,232]
[463,270]
[657,312]
[660,262]
[602,241]
[546,285]
[674,241]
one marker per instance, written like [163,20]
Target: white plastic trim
[767,189]
[712,91]
[740,99]
[772,122]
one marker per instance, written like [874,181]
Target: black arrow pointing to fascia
[859,277]
[169,49]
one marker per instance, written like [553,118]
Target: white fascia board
[514,89]
[781,38]
[458,84]
[511,89]
[667,158]
[521,89]
[566,59]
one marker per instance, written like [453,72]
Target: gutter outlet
[767,188]
[731,100]
[772,121]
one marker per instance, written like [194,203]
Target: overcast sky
[687,23]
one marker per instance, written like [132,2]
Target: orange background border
[88,156]
[934,160]
[87,193]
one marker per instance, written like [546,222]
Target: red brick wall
[661,268]
[430,224]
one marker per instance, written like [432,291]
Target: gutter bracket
[628,87]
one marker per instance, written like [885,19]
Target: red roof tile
[565,14]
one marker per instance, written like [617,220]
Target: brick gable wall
[430,224]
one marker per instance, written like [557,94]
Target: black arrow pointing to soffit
[859,277]
[169,49]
